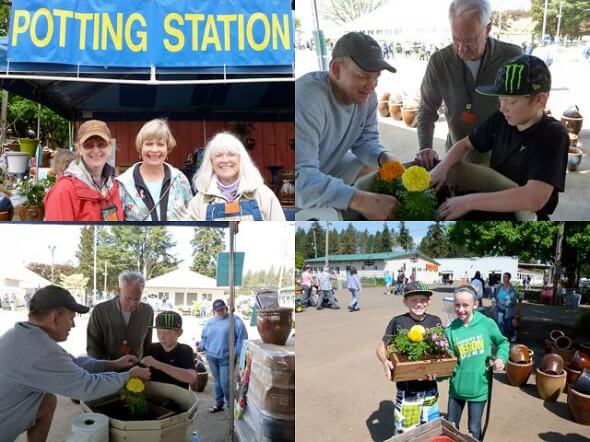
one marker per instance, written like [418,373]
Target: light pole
[328,224]
[544,21]
[558,21]
[52,250]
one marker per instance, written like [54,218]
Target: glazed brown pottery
[274,326]
[547,345]
[550,386]
[518,374]
[573,140]
[26,213]
[572,375]
[580,361]
[573,125]
[562,343]
[201,382]
[395,111]
[554,334]
[410,116]
[7,216]
[579,405]
[531,355]
[552,364]
[566,354]
[582,384]
[519,353]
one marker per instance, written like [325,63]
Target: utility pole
[557,266]
[558,21]
[315,244]
[52,250]
[94,265]
[327,243]
[105,278]
[544,21]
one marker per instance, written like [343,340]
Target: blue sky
[418,229]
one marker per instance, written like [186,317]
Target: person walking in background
[401,280]
[307,282]
[479,285]
[354,285]
[388,282]
[506,301]
[326,290]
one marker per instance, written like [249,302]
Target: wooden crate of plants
[413,370]
[432,430]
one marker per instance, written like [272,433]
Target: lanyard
[467,88]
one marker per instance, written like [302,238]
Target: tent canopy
[262,93]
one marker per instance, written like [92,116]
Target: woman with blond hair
[153,190]
[230,187]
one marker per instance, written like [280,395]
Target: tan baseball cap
[94,128]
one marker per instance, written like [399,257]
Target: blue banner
[162,33]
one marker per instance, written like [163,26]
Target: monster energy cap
[363,50]
[417,288]
[523,75]
[168,319]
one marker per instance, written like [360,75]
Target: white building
[425,269]
[20,280]
[457,269]
[183,286]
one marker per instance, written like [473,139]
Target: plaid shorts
[415,408]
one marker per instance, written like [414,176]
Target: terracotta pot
[547,345]
[579,405]
[566,354]
[554,334]
[573,125]
[410,117]
[383,108]
[550,386]
[572,375]
[552,364]
[518,374]
[7,216]
[31,213]
[519,353]
[441,439]
[274,326]
[580,361]
[582,384]
[201,382]
[395,111]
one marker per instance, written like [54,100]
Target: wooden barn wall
[272,141]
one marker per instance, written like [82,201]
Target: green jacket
[107,330]
[444,81]
[472,345]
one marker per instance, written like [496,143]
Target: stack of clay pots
[520,365]
[395,106]
[561,344]
[410,112]
[551,377]
[383,107]
[578,398]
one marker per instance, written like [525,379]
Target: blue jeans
[355,298]
[505,323]
[307,296]
[220,371]
[475,412]
[400,289]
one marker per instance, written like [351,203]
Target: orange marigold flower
[391,170]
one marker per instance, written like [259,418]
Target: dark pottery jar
[274,326]
[579,405]
[518,374]
[519,354]
[552,364]
[580,361]
[582,384]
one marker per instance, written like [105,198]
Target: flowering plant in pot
[34,192]
[411,187]
[134,397]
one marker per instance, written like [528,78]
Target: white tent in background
[19,280]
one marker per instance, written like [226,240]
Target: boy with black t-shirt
[527,146]
[416,402]
[170,361]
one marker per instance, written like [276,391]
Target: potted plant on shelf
[34,192]
[418,352]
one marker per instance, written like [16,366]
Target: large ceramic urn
[579,405]
[274,325]
[580,361]
[549,386]
[519,353]
[518,373]
[552,363]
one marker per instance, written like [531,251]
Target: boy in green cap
[527,146]
[170,361]
[416,402]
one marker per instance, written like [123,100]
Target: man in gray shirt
[121,326]
[34,368]
[452,75]
[337,132]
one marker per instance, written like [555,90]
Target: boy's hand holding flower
[150,361]
[140,373]
[124,362]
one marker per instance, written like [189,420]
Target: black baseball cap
[53,296]
[417,288]
[168,319]
[523,75]
[218,304]
[363,50]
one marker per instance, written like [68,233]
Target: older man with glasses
[452,75]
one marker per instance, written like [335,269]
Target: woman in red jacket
[87,191]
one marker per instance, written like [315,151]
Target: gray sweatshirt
[34,364]
[328,131]
[447,80]
[107,331]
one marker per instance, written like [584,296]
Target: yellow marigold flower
[135,385]
[391,170]
[416,333]
[416,179]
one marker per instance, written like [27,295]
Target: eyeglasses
[98,144]
[470,43]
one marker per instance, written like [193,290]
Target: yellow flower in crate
[391,170]
[416,179]
[135,385]
[416,333]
